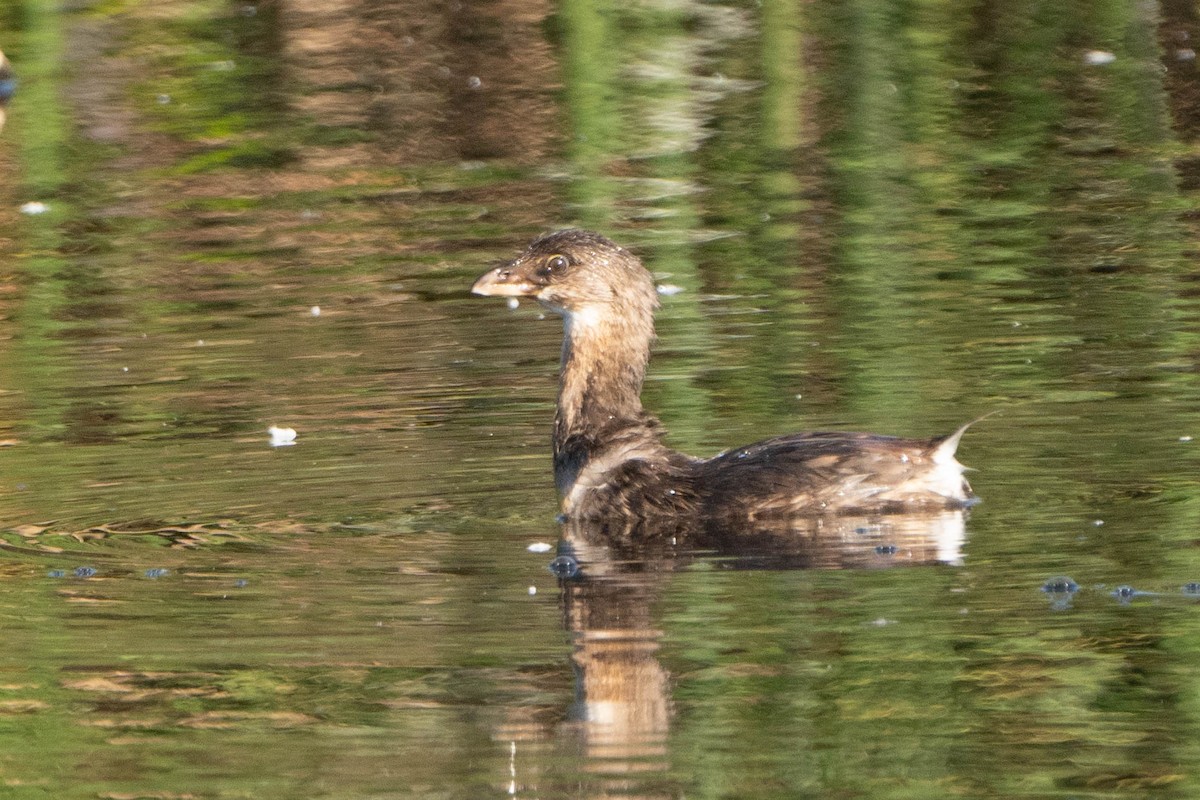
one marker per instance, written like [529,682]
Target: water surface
[865,216]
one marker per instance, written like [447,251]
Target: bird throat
[600,382]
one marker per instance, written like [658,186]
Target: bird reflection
[611,584]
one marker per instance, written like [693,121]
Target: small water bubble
[532,591]
[1185,438]
[163,99]
[1061,591]
[241,583]
[1098,523]
[34,207]
[1185,54]
[540,547]
[474,82]
[1060,585]
[84,572]
[315,311]
[564,567]
[1125,593]
[56,573]
[157,572]
[887,549]
[1192,589]
[513,303]
[669,289]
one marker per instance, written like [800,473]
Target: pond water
[218,217]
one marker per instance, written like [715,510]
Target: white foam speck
[282,437]
[539,547]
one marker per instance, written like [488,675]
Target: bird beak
[504,282]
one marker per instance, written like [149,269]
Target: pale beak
[503,282]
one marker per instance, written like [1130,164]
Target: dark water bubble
[1125,593]
[1061,591]
[84,572]
[1060,585]
[887,549]
[1192,589]
[564,567]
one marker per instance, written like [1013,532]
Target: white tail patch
[947,476]
[944,452]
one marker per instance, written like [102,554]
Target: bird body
[609,455]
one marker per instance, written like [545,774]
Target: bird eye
[557,264]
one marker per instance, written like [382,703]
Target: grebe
[609,457]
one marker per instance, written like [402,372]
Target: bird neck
[603,365]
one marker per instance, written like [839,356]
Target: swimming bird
[609,454]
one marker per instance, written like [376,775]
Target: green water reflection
[892,216]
